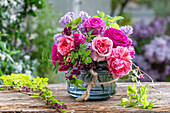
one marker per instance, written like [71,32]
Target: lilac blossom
[156,50]
[66,19]
[83,16]
[57,37]
[144,31]
[128,30]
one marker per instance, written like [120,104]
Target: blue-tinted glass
[99,91]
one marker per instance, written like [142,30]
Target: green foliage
[44,26]
[74,23]
[7,63]
[77,82]
[20,81]
[13,17]
[139,95]
[81,52]
[110,21]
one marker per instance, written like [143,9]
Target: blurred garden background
[27,28]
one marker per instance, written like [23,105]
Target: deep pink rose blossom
[119,62]
[66,44]
[95,23]
[79,39]
[117,36]
[55,55]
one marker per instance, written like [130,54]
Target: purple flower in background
[83,16]
[57,37]
[66,19]
[156,50]
[128,30]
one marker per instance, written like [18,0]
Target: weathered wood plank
[12,101]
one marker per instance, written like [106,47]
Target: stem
[144,73]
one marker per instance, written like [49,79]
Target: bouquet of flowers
[86,42]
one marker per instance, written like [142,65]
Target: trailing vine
[23,82]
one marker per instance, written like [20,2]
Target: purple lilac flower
[83,16]
[57,37]
[128,30]
[167,70]
[81,28]
[66,19]
[156,50]
[156,27]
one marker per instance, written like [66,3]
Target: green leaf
[5,35]
[151,105]
[14,52]
[72,81]
[69,24]
[78,85]
[74,76]
[79,81]
[70,56]
[131,90]
[124,101]
[88,52]
[115,25]
[77,21]
[88,59]
[2,45]
[96,16]
[117,18]
[102,14]
[76,56]
[90,32]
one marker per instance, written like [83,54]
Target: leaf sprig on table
[140,97]
[36,86]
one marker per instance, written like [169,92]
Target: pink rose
[101,47]
[94,23]
[119,62]
[66,44]
[79,39]
[55,55]
[97,57]
[117,36]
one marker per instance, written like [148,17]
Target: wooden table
[12,101]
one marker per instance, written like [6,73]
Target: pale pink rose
[119,62]
[102,46]
[66,44]
[96,57]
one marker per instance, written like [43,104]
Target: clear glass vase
[99,92]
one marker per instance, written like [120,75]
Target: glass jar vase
[99,92]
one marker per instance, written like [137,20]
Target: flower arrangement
[86,42]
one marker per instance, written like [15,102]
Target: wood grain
[13,101]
